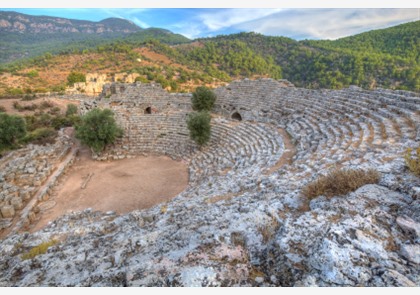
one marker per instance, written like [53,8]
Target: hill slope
[386,58]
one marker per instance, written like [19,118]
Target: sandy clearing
[121,186]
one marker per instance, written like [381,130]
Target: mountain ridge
[25,23]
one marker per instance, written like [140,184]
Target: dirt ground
[120,186]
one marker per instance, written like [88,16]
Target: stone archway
[236,116]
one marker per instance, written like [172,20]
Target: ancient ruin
[242,220]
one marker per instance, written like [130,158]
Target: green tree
[74,77]
[12,128]
[203,99]
[199,127]
[98,129]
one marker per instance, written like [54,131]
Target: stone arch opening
[236,116]
[148,110]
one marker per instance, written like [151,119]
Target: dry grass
[396,126]
[269,230]
[413,161]
[371,133]
[38,250]
[340,182]
[384,135]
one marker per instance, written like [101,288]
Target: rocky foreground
[370,237]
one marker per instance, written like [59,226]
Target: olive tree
[12,128]
[98,129]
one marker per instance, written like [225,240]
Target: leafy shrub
[203,99]
[98,129]
[14,91]
[75,77]
[340,182]
[2,109]
[142,79]
[32,74]
[41,136]
[45,105]
[413,161]
[54,111]
[71,110]
[28,97]
[199,127]
[39,121]
[38,250]
[60,121]
[12,128]
[21,108]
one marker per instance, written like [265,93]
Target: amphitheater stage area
[120,186]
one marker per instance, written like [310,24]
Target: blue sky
[296,23]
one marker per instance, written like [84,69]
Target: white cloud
[219,19]
[139,22]
[191,30]
[328,23]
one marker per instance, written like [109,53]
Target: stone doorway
[236,116]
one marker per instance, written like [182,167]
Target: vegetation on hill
[386,58]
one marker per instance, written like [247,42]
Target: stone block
[7,211]
[17,203]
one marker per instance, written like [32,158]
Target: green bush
[71,110]
[98,129]
[75,77]
[41,136]
[199,127]
[12,128]
[32,74]
[60,121]
[54,111]
[203,99]
[46,105]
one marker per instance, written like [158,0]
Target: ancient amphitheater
[242,220]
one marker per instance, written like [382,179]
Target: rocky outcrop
[13,22]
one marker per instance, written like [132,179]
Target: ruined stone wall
[157,133]
[141,95]
[253,100]
[23,172]
[153,120]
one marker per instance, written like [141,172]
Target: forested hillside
[382,58]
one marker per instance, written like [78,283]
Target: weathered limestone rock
[7,211]
[17,203]
[409,225]
[411,252]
